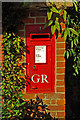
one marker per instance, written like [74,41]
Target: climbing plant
[12,80]
[71,19]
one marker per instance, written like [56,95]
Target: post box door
[40,67]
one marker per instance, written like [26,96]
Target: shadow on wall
[72,92]
[36,110]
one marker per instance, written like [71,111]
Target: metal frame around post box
[53,66]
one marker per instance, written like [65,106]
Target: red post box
[41,63]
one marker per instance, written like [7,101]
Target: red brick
[21,27]
[41,96]
[60,114]
[37,13]
[28,20]
[60,58]
[59,39]
[61,102]
[56,107]
[53,114]
[55,96]
[46,101]
[60,83]
[60,52]
[40,20]
[53,101]
[60,45]
[60,64]
[29,96]
[60,89]
[60,70]
[60,77]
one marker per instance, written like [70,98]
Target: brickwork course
[56,100]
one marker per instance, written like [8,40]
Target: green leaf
[65,35]
[68,31]
[76,70]
[49,14]
[67,54]
[70,52]
[72,21]
[48,24]
[73,31]
[57,25]
[68,21]
[72,44]
[75,6]
[3,116]
[60,11]
[53,28]
[75,42]
[53,9]
[21,95]
[23,103]
[64,14]
[20,113]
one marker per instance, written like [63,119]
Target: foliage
[12,80]
[71,18]
[36,110]
[12,15]
[73,43]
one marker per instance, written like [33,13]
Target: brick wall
[56,100]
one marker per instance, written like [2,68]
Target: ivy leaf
[48,24]
[53,9]
[73,31]
[49,14]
